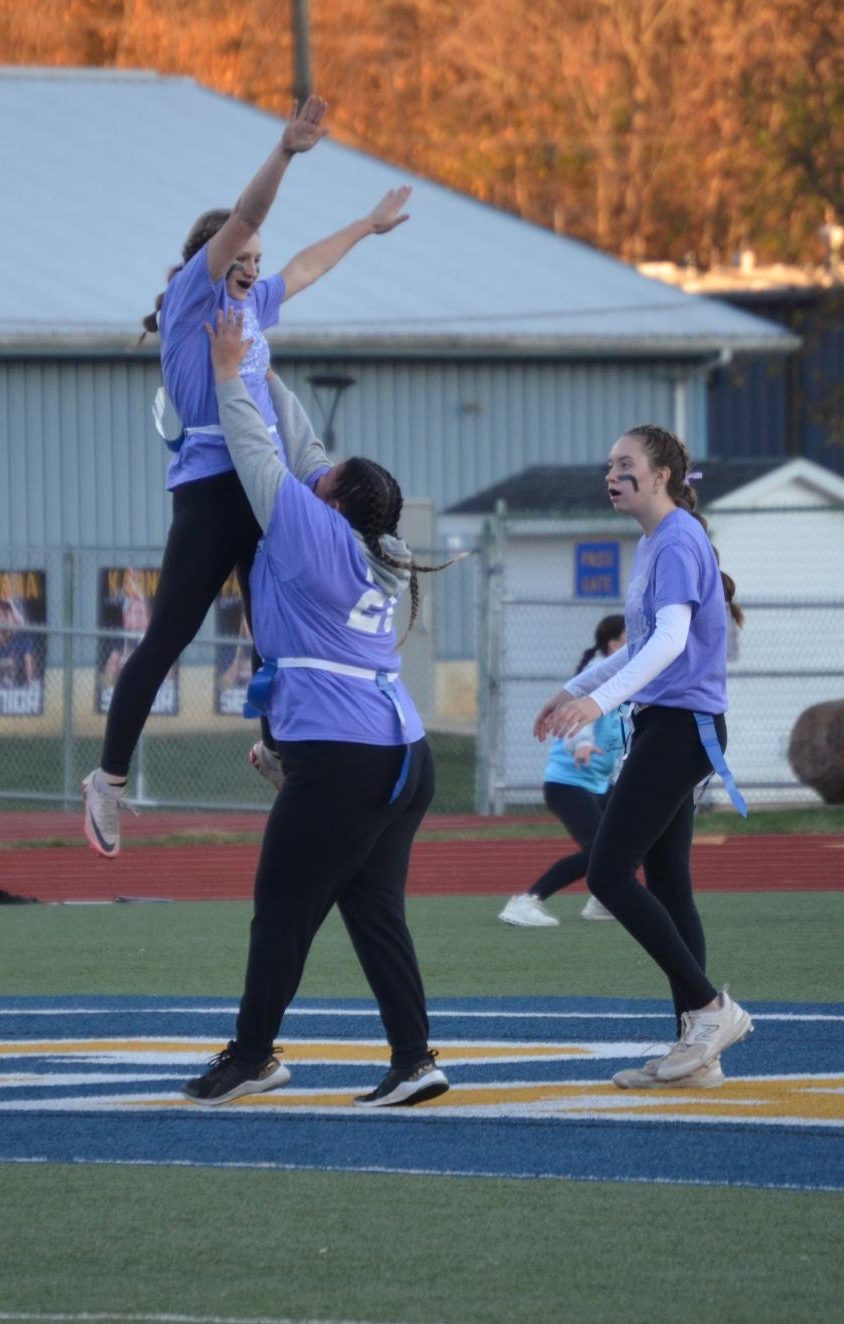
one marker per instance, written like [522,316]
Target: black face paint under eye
[627,478]
[235,266]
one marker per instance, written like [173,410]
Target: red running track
[458,866]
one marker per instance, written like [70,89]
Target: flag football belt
[715,754]
[258,694]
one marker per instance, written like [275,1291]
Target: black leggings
[649,820]
[580,812]
[213,532]
[332,836]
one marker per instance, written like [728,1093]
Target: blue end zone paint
[788,1151]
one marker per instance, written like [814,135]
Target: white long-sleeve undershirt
[617,678]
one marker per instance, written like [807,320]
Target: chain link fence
[788,656]
[69,619]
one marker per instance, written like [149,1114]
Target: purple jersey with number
[314,596]
[677,565]
[190,300]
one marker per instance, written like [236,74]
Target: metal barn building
[479,344]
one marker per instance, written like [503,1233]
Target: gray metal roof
[575,489]
[104,172]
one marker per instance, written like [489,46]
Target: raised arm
[305,452]
[313,262]
[302,132]
[253,451]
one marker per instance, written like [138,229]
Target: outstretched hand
[305,128]
[565,716]
[228,347]
[388,214]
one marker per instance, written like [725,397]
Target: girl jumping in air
[214,530]
[673,668]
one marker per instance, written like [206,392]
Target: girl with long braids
[213,530]
[358,771]
[673,669]
[576,786]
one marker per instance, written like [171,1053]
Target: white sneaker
[705,1035]
[102,803]
[594,910]
[267,763]
[527,911]
[709,1077]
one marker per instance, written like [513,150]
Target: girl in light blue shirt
[575,788]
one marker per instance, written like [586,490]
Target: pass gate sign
[596,569]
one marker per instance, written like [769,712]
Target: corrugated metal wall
[81,465]
[450,429]
[78,463]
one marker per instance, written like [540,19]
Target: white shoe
[527,911]
[102,803]
[594,910]
[267,763]
[709,1077]
[705,1035]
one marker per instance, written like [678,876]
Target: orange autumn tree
[652,128]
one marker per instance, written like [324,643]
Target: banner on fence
[232,662]
[124,605]
[23,602]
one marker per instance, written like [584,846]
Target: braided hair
[371,500]
[607,629]
[203,229]
[665,451]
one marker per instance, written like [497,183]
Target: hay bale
[816,750]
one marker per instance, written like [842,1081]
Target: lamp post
[301,51]
[336,383]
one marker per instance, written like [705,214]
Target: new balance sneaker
[644,1077]
[527,911]
[266,762]
[403,1086]
[102,803]
[705,1035]
[227,1079]
[594,910]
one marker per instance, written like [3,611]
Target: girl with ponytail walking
[673,669]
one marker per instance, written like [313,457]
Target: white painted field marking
[432,1012]
[86,1316]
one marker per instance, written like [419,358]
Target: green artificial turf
[121,1242]
[235,1245]
[780,946]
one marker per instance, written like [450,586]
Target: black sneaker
[403,1086]
[227,1078]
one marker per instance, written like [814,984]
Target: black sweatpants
[333,837]
[580,812]
[213,532]
[649,820]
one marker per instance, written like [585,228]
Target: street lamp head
[334,384]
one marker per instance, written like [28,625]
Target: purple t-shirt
[313,595]
[190,300]
[676,565]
